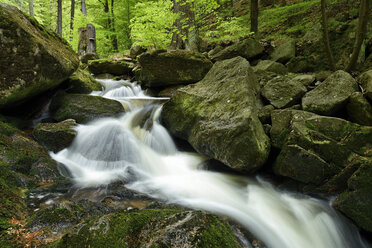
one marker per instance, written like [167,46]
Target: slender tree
[83,7]
[72,19]
[59,18]
[113,36]
[31,7]
[327,47]
[254,16]
[361,32]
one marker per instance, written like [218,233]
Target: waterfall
[137,149]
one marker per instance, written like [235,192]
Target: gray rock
[300,64]
[163,69]
[248,49]
[55,136]
[218,116]
[114,67]
[305,79]
[359,109]
[265,114]
[365,81]
[272,66]
[283,93]
[331,95]
[284,52]
[33,59]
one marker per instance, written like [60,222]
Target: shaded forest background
[122,23]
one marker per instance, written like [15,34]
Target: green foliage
[152,24]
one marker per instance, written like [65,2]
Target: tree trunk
[327,47]
[31,8]
[83,41]
[83,7]
[87,40]
[72,19]
[254,16]
[59,18]
[187,35]
[361,32]
[114,37]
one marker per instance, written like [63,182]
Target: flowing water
[137,149]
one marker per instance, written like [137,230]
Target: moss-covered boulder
[218,116]
[110,66]
[356,201]
[152,228]
[300,64]
[314,148]
[284,52]
[282,92]
[365,81]
[359,109]
[55,136]
[248,49]
[304,79]
[272,66]
[83,108]
[36,59]
[82,82]
[331,95]
[161,68]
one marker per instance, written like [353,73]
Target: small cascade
[137,149]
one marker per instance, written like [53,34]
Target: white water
[137,149]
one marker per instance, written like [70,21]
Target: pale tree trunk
[72,19]
[187,35]
[361,32]
[83,7]
[59,18]
[327,47]
[254,16]
[114,37]
[87,40]
[31,8]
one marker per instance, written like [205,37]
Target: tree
[31,7]
[327,47]
[59,18]
[361,32]
[72,19]
[83,7]
[254,16]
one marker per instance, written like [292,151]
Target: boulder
[248,49]
[300,64]
[305,79]
[83,108]
[356,201]
[88,56]
[136,50]
[315,149]
[282,92]
[272,66]
[36,59]
[284,52]
[55,136]
[218,116]
[365,81]
[163,69]
[359,109]
[330,96]
[114,67]
[82,82]
[152,228]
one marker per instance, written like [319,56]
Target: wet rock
[365,81]
[55,136]
[331,95]
[152,228]
[114,67]
[248,49]
[359,109]
[218,116]
[284,52]
[83,108]
[282,92]
[82,82]
[36,59]
[161,68]
[272,66]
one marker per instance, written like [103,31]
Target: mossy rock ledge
[36,59]
[110,66]
[81,82]
[218,116]
[83,108]
[163,69]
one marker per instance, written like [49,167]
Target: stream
[136,149]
